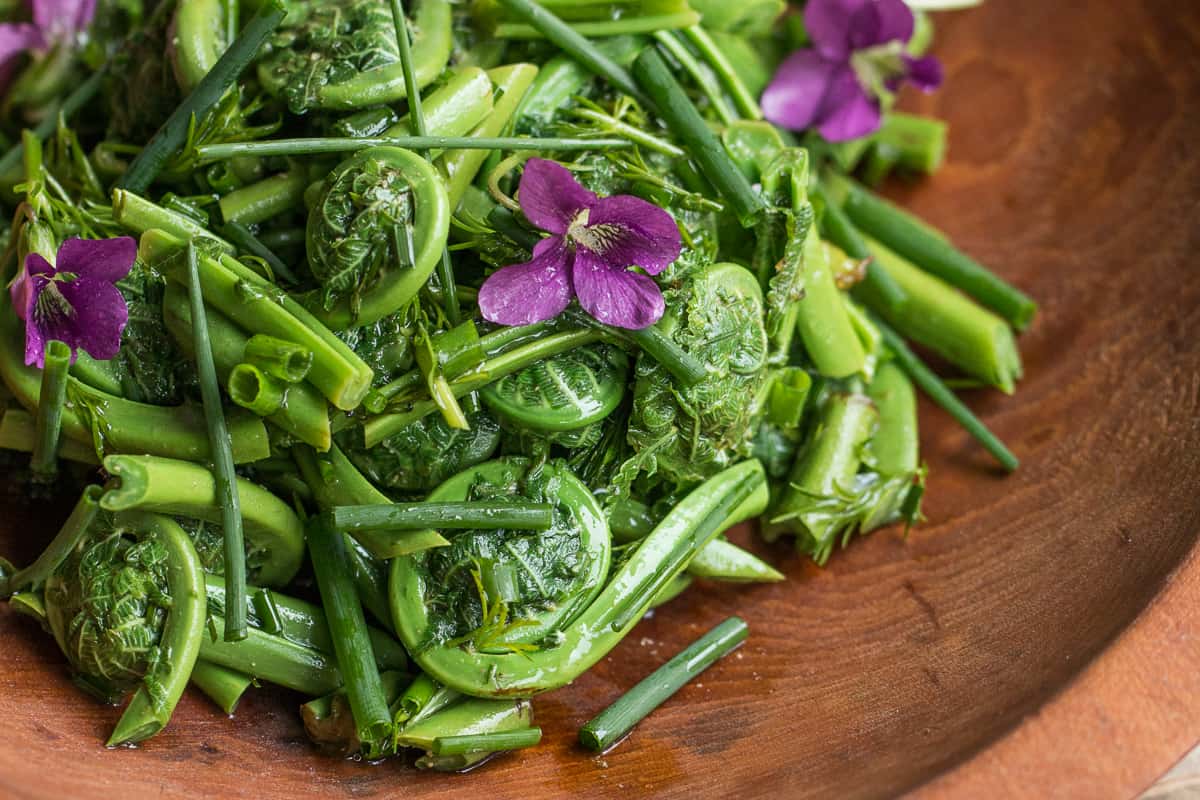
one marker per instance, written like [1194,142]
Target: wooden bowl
[1038,633]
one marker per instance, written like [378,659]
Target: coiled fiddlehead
[375,235]
[127,608]
[717,316]
[342,54]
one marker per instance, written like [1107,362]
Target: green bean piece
[788,397]
[444,515]
[181,488]
[919,142]
[743,98]
[222,685]
[574,44]
[51,400]
[64,111]
[263,200]
[348,626]
[273,659]
[140,215]
[199,29]
[951,324]
[302,622]
[18,431]
[68,536]
[260,307]
[823,321]
[689,126]
[610,725]
[933,386]
[916,242]
[415,698]
[255,390]
[895,445]
[878,289]
[463,716]
[223,470]
[280,359]
[240,235]
[722,560]
[305,414]
[174,132]
[486,742]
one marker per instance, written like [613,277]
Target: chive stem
[743,98]
[671,42]
[575,45]
[689,126]
[174,132]
[348,627]
[486,742]
[466,515]
[941,394]
[335,144]
[610,725]
[255,390]
[877,288]
[51,401]
[223,471]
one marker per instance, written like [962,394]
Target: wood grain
[1012,645]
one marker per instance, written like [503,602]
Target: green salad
[405,355]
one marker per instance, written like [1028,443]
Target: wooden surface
[1011,646]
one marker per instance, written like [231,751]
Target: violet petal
[849,112]
[62,19]
[924,73]
[829,24]
[550,196]
[882,21]
[17,37]
[539,289]
[100,316]
[796,94]
[102,259]
[619,298]
[627,231]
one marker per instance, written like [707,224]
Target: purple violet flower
[76,300]
[857,62]
[594,242]
[55,22]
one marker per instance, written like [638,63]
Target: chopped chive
[51,400]
[685,122]
[607,727]
[278,358]
[486,742]
[933,386]
[222,453]
[931,251]
[247,242]
[74,101]
[575,45]
[336,144]
[466,515]
[877,286]
[174,132]
[348,629]
[255,390]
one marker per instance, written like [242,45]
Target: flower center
[594,238]
[51,304]
[877,67]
